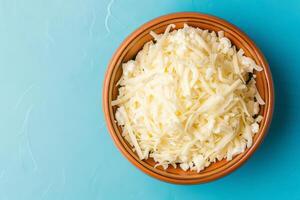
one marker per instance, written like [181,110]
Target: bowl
[127,51]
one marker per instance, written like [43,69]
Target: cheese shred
[185,100]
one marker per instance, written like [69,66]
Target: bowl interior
[128,51]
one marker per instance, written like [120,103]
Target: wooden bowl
[129,49]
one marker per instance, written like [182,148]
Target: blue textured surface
[53,139]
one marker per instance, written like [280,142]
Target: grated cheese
[186,99]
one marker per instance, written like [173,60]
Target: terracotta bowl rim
[264,127]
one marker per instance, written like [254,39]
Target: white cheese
[184,100]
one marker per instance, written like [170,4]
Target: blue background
[53,139]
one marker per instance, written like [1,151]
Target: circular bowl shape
[134,43]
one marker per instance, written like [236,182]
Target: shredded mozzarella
[186,99]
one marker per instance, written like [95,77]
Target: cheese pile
[188,99]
